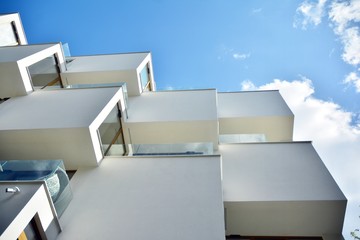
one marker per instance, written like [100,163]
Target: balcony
[26,68]
[261,115]
[172,117]
[134,69]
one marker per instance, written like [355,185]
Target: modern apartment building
[148,164]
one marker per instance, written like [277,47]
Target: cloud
[353,78]
[241,56]
[334,135]
[309,13]
[343,13]
[256,10]
[351,41]
[344,17]
[225,52]
[247,85]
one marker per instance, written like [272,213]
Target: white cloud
[353,78]
[309,13]
[247,85]
[241,56]
[343,13]
[351,41]
[344,17]
[256,10]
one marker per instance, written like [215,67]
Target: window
[145,79]
[111,135]
[45,73]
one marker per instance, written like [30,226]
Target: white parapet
[255,113]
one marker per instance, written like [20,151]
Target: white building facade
[192,164]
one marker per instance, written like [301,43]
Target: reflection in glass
[145,79]
[45,73]
[110,132]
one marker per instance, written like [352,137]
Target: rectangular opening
[111,135]
[145,79]
[45,73]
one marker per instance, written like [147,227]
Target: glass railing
[242,138]
[96,85]
[202,148]
[51,171]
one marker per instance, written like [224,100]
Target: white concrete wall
[172,117]
[56,109]
[285,218]
[276,172]
[16,53]
[252,103]
[166,106]
[129,77]
[279,189]
[110,62]
[258,112]
[73,145]
[11,83]
[147,198]
[275,128]
[171,132]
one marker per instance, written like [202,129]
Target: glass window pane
[45,73]
[144,76]
[111,134]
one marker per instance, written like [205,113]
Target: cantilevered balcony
[254,116]
[184,120]
[76,125]
[26,68]
[134,69]
[280,189]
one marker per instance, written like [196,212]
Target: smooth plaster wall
[276,172]
[130,77]
[16,53]
[11,83]
[111,62]
[285,218]
[279,189]
[171,132]
[73,145]
[275,128]
[252,103]
[147,198]
[55,109]
[177,106]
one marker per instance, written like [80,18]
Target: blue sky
[309,49]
